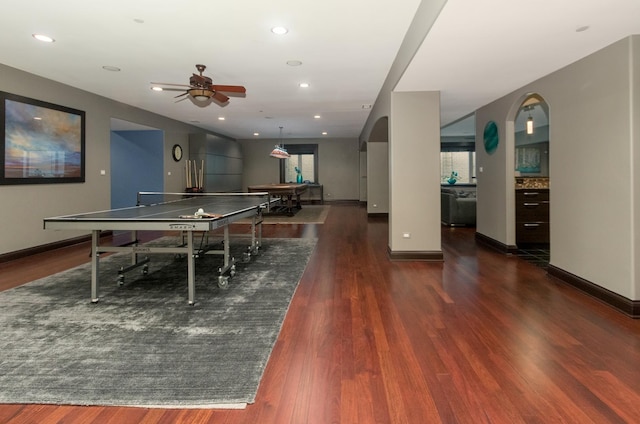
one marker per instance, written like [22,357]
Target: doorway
[137,162]
[532,182]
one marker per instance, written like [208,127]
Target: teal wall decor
[491,138]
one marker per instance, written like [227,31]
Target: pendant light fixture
[279,151]
[529,121]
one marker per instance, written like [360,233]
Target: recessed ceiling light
[294,62]
[220,118]
[156,88]
[37,118]
[111,68]
[279,30]
[256,133]
[316,116]
[303,85]
[324,133]
[42,37]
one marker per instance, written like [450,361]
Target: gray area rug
[142,344]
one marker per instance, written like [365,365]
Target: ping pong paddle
[209,215]
[200,215]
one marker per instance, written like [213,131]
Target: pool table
[285,192]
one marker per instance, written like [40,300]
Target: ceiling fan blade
[180,95]
[220,97]
[173,89]
[229,88]
[167,83]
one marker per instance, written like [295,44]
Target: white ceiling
[476,52]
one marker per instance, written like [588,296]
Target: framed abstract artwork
[42,143]
[528,159]
[491,137]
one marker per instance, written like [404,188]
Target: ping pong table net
[148,198]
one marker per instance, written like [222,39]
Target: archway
[531,179]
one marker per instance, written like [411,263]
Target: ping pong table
[179,212]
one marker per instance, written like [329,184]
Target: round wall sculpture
[491,138]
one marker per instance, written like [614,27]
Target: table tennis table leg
[226,247]
[134,242]
[253,233]
[191,269]
[95,265]
[256,232]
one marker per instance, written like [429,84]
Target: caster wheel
[120,280]
[145,270]
[223,282]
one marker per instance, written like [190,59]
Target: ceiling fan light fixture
[202,90]
[200,94]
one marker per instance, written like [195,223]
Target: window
[305,158]
[459,159]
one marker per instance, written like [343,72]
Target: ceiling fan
[201,88]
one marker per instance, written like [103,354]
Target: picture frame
[42,143]
[528,159]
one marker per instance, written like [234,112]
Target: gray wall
[378,167]
[593,107]
[424,239]
[414,170]
[338,165]
[223,163]
[23,207]
[377,178]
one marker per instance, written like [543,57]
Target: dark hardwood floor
[480,338]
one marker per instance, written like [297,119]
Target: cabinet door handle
[531,225]
[531,204]
[531,193]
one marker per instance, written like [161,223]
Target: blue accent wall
[136,165]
